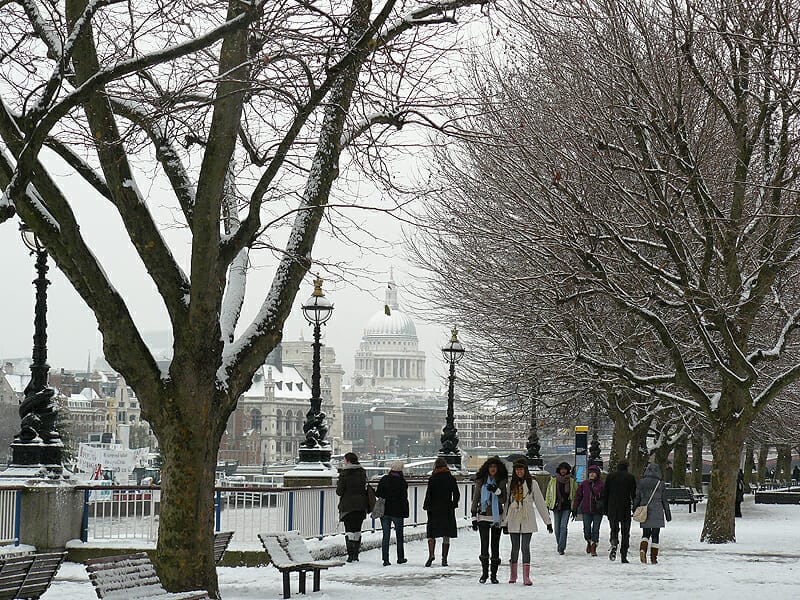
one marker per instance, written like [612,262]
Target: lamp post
[315,448]
[452,352]
[533,446]
[38,444]
[594,446]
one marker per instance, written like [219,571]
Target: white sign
[112,459]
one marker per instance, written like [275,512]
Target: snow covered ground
[764,563]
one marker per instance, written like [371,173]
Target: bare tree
[250,110]
[644,155]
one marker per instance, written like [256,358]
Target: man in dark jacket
[618,494]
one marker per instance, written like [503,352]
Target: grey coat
[658,508]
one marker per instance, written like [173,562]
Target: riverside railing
[10,509]
[118,513]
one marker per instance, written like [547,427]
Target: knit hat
[594,469]
[520,462]
[397,466]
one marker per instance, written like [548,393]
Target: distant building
[389,355]
[267,425]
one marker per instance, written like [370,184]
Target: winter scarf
[486,497]
[563,483]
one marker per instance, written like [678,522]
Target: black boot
[356,549]
[484,569]
[495,565]
[349,544]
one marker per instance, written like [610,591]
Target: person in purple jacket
[588,501]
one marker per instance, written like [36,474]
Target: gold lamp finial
[455,334]
[317,287]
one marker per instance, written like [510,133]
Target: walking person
[619,492]
[739,493]
[519,520]
[353,502]
[650,492]
[589,500]
[560,495]
[393,488]
[441,500]
[488,500]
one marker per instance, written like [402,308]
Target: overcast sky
[73,336]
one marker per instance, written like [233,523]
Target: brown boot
[593,549]
[654,554]
[588,546]
[643,551]
[445,551]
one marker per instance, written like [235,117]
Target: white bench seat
[288,553]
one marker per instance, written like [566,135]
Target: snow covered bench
[221,541]
[28,576]
[132,577]
[288,552]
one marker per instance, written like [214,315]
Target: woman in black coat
[353,502]
[393,488]
[441,501]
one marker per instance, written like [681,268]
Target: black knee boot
[484,569]
[495,565]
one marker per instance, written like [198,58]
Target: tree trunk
[783,466]
[638,455]
[749,462]
[719,526]
[697,462]
[679,463]
[184,553]
[619,442]
[661,457]
[763,451]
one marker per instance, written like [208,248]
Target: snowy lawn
[764,563]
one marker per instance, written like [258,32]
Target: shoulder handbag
[379,508]
[640,514]
[371,498]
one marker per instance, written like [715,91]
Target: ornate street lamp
[533,446]
[315,448]
[38,444]
[452,352]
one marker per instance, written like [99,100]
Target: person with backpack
[519,519]
[393,488]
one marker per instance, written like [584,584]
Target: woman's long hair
[517,481]
[483,472]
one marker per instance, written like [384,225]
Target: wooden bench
[221,541]
[28,576]
[288,552]
[132,577]
[681,495]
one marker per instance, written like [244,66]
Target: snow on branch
[774,353]
[434,13]
[43,29]
[395,118]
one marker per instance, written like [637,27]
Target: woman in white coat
[519,520]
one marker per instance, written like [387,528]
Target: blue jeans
[591,527]
[386,525]
[560,521]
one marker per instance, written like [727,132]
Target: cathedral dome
[397,323]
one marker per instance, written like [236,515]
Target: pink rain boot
[513,578]
[526,575]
